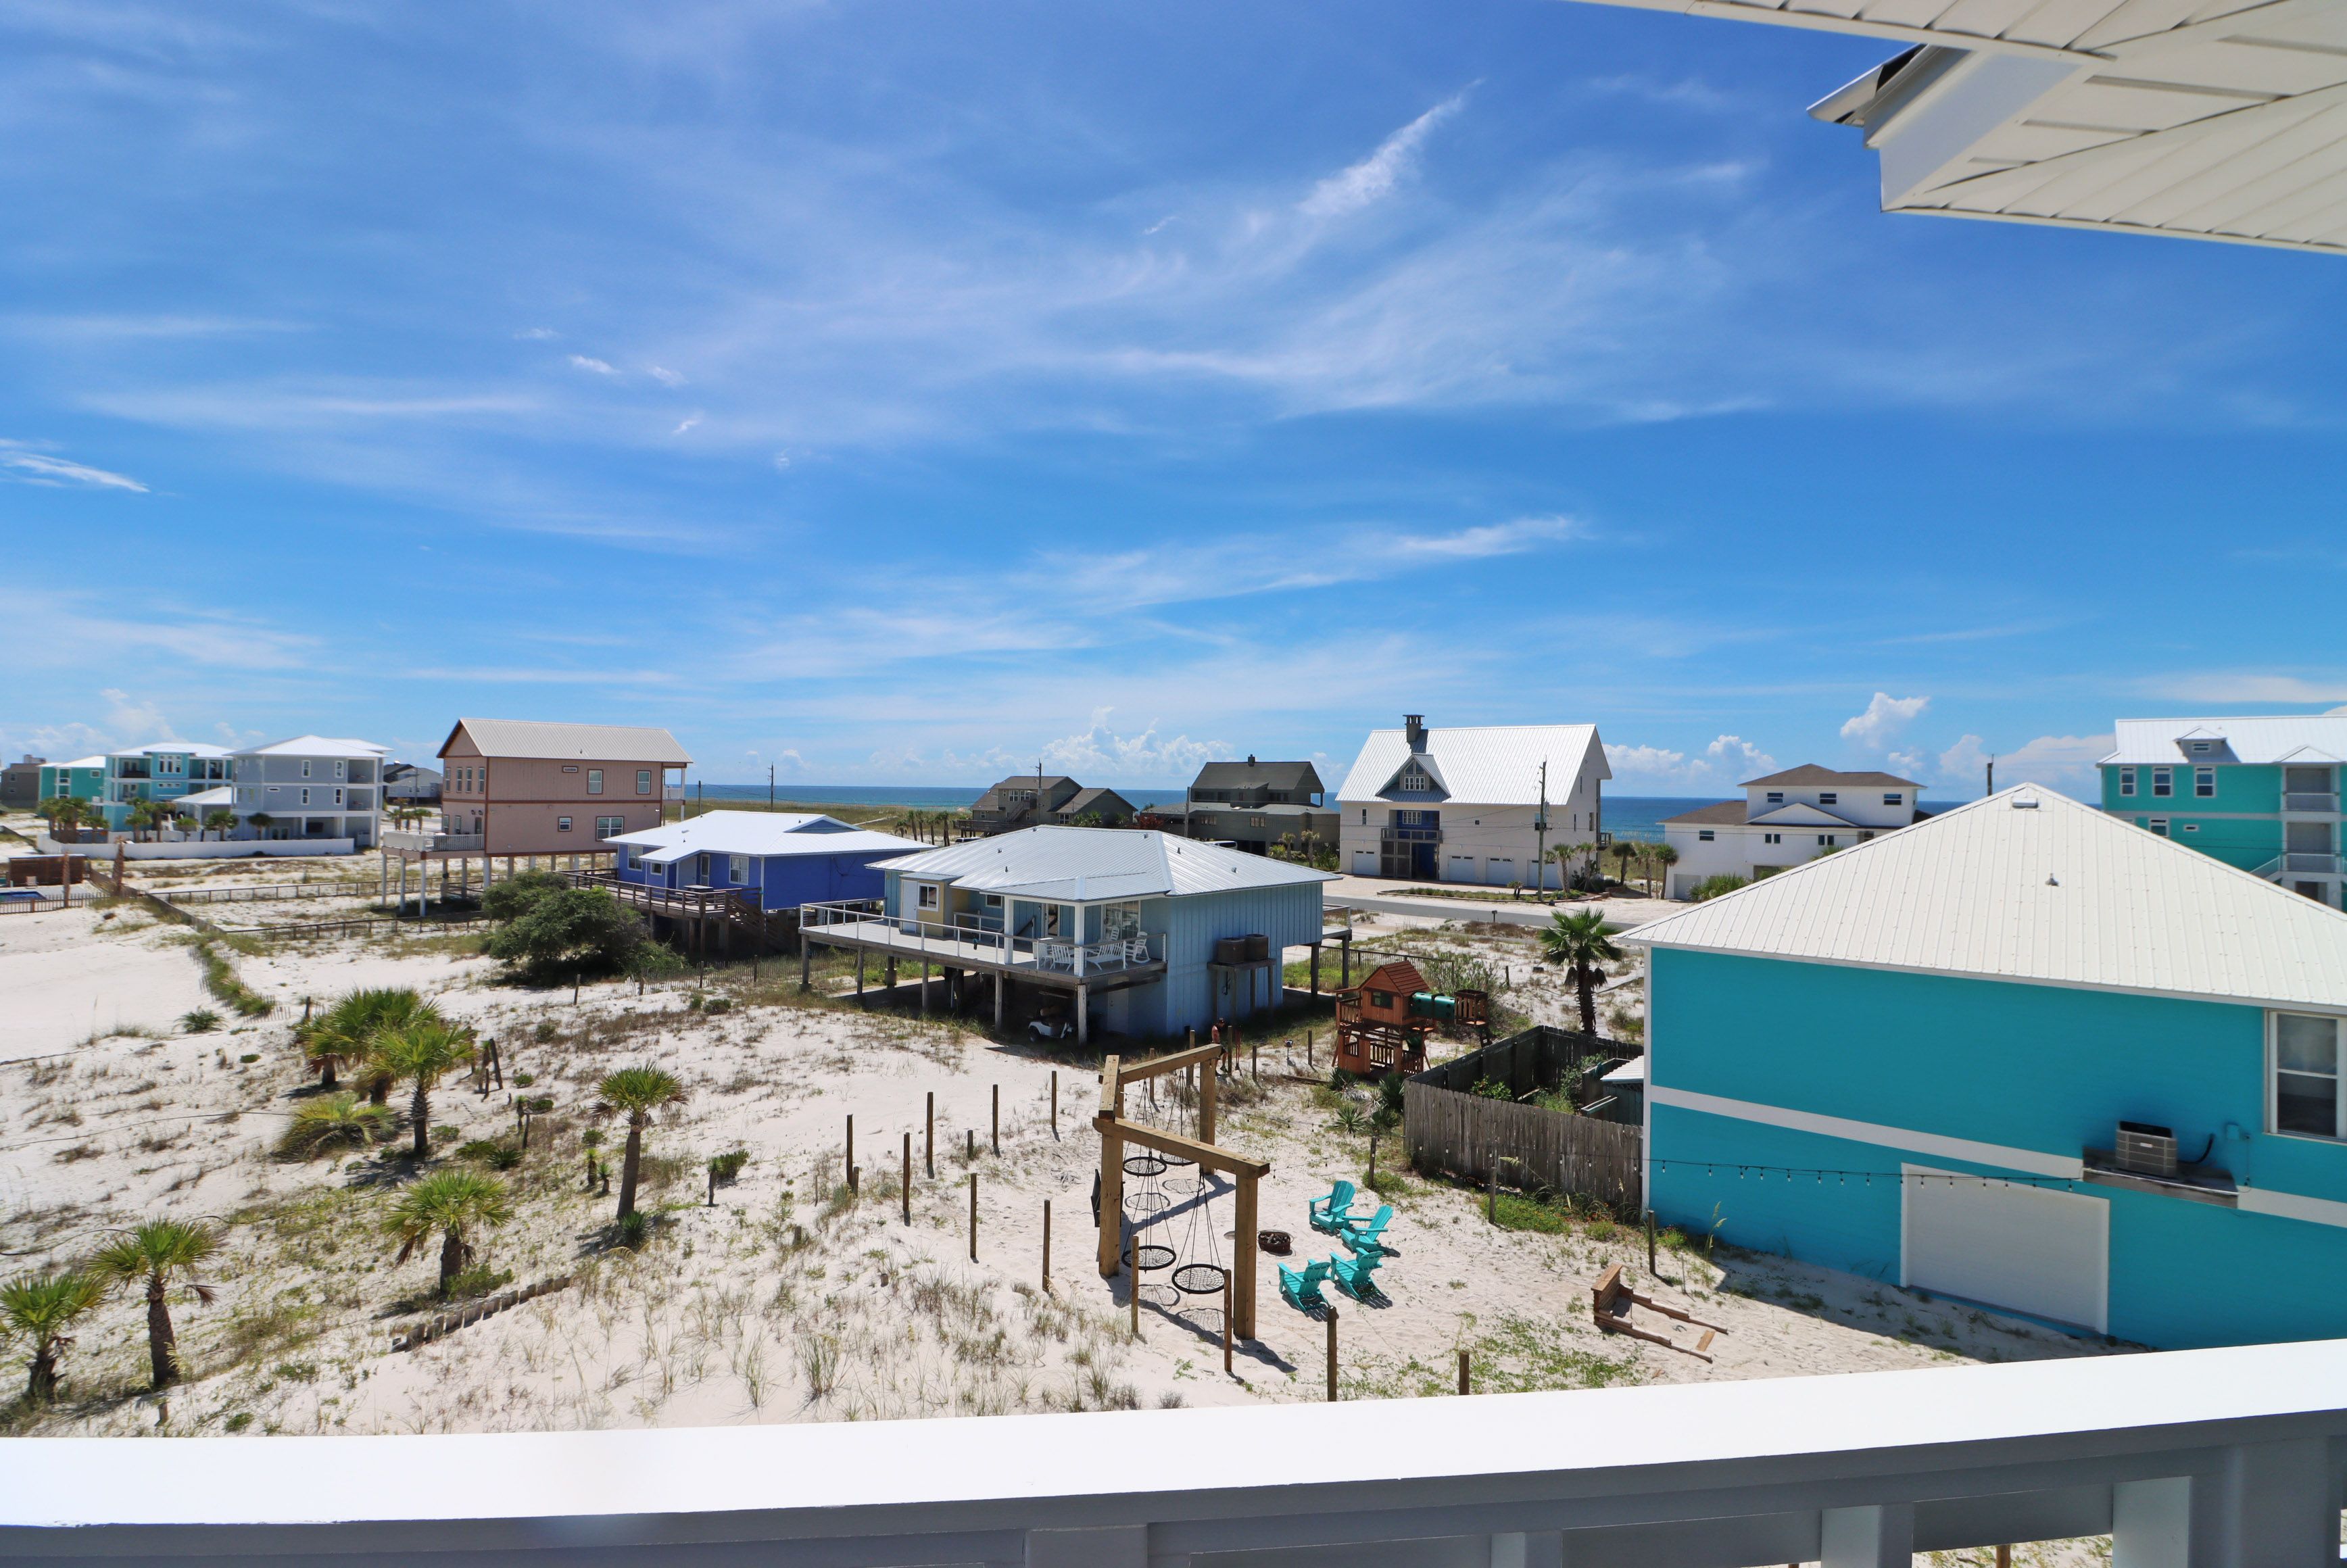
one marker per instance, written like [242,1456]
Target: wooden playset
[1382,1023]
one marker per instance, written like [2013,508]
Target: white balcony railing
[2199,1458]
[2299,800]
[970,938]
[416,842]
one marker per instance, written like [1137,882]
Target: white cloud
[1726,762]
[2047,759]
[136,718]
[2249,686]
[1884,717]
[38,469]
[589,363]
[1098,753]
[537,334]
[687,423]
[665,377]
[1375,177]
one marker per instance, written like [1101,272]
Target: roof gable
[1401,975]
[758,833]
[1810,774]
[1800,814]
[2270,738]
[1493,765]
[2028,885]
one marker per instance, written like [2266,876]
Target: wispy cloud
[592,365]
[1374,177]
[2227,688]
[58,473]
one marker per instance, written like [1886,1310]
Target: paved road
[1383,897]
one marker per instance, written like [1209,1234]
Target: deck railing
[2301,800]
[2194,1459]
[867,921]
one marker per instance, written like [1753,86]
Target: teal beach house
[2262,794]
[2025,1054]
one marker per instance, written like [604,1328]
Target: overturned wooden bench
[1610,1299]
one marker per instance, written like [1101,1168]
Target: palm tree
[1664,856]
[1625,850]
[262,822]
[320,1124]
[639,1092]
[423,1050]
[1564,855]
[1578,942]
[39,1308]
[146,815]
[458,1204]
[342,1034]
[161,1252]
[220,820]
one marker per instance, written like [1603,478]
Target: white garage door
[1459,868]
[1499,873]
[2032,1249]
[1365,863]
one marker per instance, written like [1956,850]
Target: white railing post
[2267,1505]
[2151,1523]
[1881,1535]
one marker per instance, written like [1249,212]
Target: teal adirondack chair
[1353,1274]
[1300,1288]
[1368,1237]
[1333,1213]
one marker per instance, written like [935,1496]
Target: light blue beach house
[779,860]
[2026,1055]
[1143,933]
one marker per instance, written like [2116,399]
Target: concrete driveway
[1386,898]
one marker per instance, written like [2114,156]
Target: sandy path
[66,975]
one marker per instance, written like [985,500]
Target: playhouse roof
[1099,865]
[2029,885]
[1396,975]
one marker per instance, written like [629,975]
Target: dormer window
[1414,780]
[2199,745]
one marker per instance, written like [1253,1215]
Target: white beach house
[1477,806]
[1783,820]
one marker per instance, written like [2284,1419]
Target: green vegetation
[39,1309]
[337,1121]
[548,928]
[636,1093]
[1713,887]
[157,1256]
[1578,943]
[455,1205]
[220,979]
[202,1020]
[422,1052]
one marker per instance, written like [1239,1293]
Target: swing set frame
[1115,1133]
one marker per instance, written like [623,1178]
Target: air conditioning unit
[2146,1150]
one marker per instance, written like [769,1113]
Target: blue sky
[898,392]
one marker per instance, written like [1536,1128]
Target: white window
[643,780]
[2127,781]
[594,780]
[2305,1088]
[1120,922]
[1776,797]
[1702,834]
[2163,783]
[1829,798]
[305,767]
[926,897]
[2204,782]
[2191,827]
[2159,825]
[1772,838]
[1892,798]
[338,769]
[561,824]
[2199,745]
[306,796]
[1414,780]
[737,870]
[610,826]
[1825,838]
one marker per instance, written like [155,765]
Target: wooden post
[1133,1280]
[1227,1294]
[1332,1355]
[924,991]
[807,956]
[973,1216]
[1112,1170]
[1243,1248]
[929,1138]
[851,1154]
[1492,1193]
[859,976]
[1206,1100]
[1465,1384]
[1308,1050]
[1650,1270]
[1084,1014]
[1316,968]
[997,1002]
[997,1121]
[969,1145]
[1255,1059]
[908,1179]
[1047,1244]
[1055,1103]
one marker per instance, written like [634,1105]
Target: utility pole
[1540,838]
[1992,777]
[770,786]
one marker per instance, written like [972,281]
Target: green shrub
[635,1229]
[202,1021]
[478,1280]
[728,1165]
[1492,1088]
[524,1080]
[1713,887]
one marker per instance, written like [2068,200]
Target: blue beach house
[1142,933]
[781,860]
[2025,1054]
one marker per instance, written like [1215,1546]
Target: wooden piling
[997,1121]
[929,1137]
[908,1179]
[1332,1355]
[1465,1384]
[1226,1322]
[851,1154]
[1055,1103]
[1047,1244]
[973,1216]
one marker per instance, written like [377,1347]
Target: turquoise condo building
[2262,794]
[2022,1054]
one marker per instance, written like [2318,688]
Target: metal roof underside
[2054,894]
[1090,865]
[2203,118]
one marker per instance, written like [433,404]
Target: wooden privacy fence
[1449,1129]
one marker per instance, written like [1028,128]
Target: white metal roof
[317,746]
[170,749]
[531,738]
[84,762]
[759,832]
[2206,118]
[1095,864]
[1799,814]
[2058,893]
[2315,739]
[1490,765]
[222,797]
